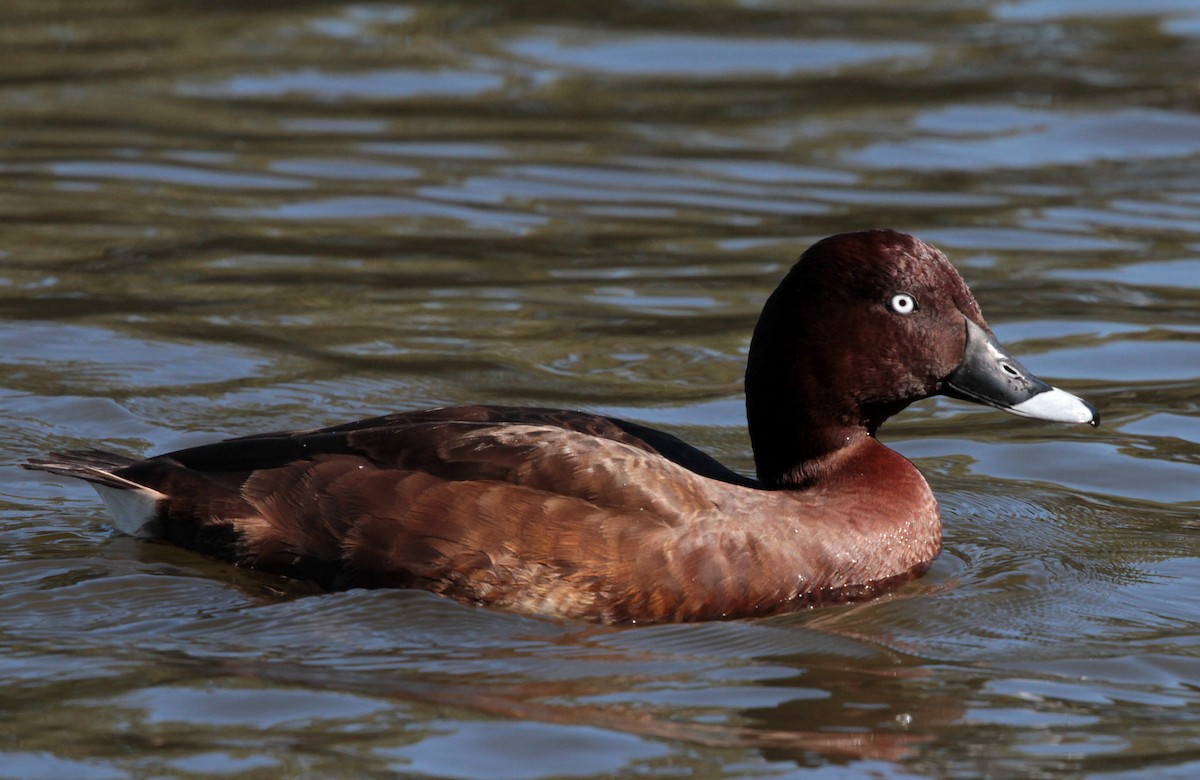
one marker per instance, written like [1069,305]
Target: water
[222,219]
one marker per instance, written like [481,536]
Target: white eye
[903,303]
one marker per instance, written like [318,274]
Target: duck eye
[903,303]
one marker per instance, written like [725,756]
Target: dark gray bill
[990,375]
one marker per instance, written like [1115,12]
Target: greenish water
[220,219]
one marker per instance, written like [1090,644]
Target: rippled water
[222,219]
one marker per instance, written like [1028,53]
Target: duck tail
[96,466]
[133,506]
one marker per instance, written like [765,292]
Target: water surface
[220,220]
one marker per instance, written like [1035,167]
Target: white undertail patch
[133,509]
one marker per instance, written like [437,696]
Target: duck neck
[800,424]
[797,444]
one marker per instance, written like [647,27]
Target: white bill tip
[1057,406]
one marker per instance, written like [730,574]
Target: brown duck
[578,515]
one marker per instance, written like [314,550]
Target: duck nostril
[1010,370]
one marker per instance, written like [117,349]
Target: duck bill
[990,375]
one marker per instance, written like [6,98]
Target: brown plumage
[573,514]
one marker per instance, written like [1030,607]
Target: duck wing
[282,444]
[539,511]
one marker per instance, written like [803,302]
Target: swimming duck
[584,516]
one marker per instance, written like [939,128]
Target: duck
[575,515]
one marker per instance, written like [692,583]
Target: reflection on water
[643,56]
[226,219]
[987,137]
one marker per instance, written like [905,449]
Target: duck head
[863,325]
